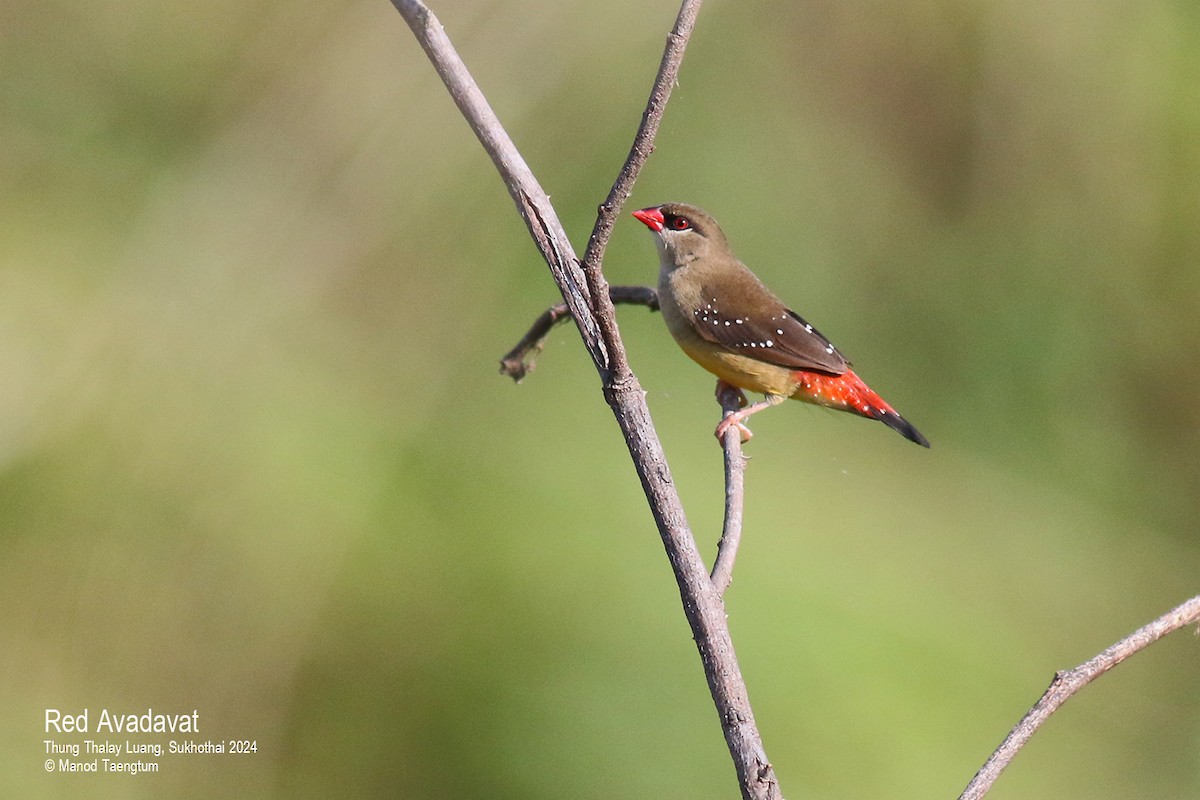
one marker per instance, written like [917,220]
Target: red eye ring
[680,223]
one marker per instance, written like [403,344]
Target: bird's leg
[728,390]
[731,398]
[737,417]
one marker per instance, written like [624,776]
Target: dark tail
[902,426]
[848,392]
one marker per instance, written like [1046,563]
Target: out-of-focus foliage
[255,458]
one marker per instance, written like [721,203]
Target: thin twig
[596,319]
[1067,683]
[731,400]
[643,145]
[519,362]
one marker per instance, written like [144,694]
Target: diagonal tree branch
[532,201]
[594,315]
[1067,683]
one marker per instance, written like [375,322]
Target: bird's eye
[680,223]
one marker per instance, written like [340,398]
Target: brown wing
[738,312]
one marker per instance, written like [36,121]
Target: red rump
[848,392]
[845,391]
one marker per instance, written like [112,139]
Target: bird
[727,321]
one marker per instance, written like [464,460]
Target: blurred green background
[256,459]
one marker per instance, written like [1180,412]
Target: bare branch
[596,319]
[1067,683]
[519,362]
[731,400]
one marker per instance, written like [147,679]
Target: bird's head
[683,233]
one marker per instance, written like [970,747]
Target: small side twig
[1067,683]
[519,362]
[731,400]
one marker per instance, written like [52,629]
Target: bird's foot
[733,418]
[731,421]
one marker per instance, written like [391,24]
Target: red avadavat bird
[728,322]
